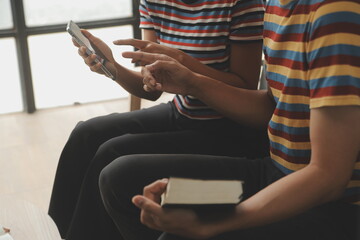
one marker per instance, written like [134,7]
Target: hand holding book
[186,218]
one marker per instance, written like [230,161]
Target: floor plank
[31,145]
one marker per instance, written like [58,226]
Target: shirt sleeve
[145,19]
[334,54]
[247,21]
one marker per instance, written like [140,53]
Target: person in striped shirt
[211,38]
[309,187]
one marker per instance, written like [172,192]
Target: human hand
[182,222]
[103,51]
[163,73]
[151,47]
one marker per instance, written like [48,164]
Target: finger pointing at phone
[167,74]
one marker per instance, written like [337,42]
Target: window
[42,68]
[10,91]
[5,15]
[60,76]
[45,12]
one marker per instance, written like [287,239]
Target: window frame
[20,32]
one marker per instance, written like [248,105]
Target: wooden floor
[30,145]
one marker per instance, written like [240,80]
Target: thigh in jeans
[89,215]
[127,176]
[82,145]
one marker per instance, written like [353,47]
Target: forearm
[285,198]
[225,77]
[244,65]
[252,107]
[335,145]
[132,81]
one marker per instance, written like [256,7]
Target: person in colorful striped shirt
[211,38]
[309,187]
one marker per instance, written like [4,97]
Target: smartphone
[76,33]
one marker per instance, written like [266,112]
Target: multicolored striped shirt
[312,51]
[203,29]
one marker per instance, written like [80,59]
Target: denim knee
[84,130]
[115,177]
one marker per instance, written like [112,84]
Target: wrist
[213,228]
[194,84]
[238,220]
[117,70]
[181,57]
[198,84]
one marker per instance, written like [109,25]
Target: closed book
[188,192]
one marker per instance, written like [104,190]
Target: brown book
[198,192]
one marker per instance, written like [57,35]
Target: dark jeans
[76,205]
[126,177]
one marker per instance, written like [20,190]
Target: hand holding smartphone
[74,30]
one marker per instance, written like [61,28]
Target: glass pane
[45,12]
[10,90]
[60,76]
[5,15]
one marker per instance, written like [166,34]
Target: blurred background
[45,87]
[40,67]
